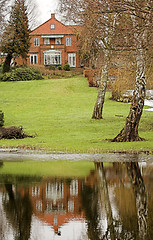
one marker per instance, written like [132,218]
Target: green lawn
[59,111]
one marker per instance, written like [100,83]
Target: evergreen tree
[16,40]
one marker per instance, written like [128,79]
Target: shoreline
[15,154]
[74,151]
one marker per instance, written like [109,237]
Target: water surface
[110,200]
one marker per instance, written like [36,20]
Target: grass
[60,110]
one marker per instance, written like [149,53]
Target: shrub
[66,67]
[51,67]
[6,77]
[22,74]
[1,118]
[59,67]
[1,76]
[13,132]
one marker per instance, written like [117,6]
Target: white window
[55,221]
[68,41]
[49,208]
[33,59]
[72,59]
[36,42]
[39,206]
[71,206]
[74,188]
[54,191]
[52,26]
[57,40]
[46,41]
[52,58]
[35,191]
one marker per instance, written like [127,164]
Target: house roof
[61,219]
[60,28]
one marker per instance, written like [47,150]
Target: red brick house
[54,43]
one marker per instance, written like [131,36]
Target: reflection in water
[104,199]
[18,210]
[116,227]
[140,197]
[114,202]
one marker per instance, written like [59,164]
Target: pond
[76,200]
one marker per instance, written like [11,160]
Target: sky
[46,7]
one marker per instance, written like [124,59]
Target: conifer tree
[16,40]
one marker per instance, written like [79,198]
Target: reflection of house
[56,202]
[54,43]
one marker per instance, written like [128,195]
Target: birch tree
[140,13]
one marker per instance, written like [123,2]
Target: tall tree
[15,39]
[140,15]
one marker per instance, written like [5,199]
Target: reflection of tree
[89,204]
[140,197]
[97,204]
[18,210]
[103,192]
[93,200]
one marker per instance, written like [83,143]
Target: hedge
[21,74]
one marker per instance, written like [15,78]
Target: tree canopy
[15,39]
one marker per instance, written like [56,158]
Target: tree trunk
[130,132]
[97,113]
[140,196]
[6,66]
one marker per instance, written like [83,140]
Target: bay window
[52,57]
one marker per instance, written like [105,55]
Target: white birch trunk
[130,132]
[97,113]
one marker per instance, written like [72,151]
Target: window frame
[52,58]
[56,41]
[36,42]
[72,59]
[52,26]
[68,41]
[46,41]
[33,59]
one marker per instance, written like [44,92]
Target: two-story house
[53,43]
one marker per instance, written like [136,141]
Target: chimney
[52,15]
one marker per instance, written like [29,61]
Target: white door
[72,59]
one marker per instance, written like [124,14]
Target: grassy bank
[59,112]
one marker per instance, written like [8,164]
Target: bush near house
[21,74]
[51,67]
[59,67]
[66,67]
[58,72]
